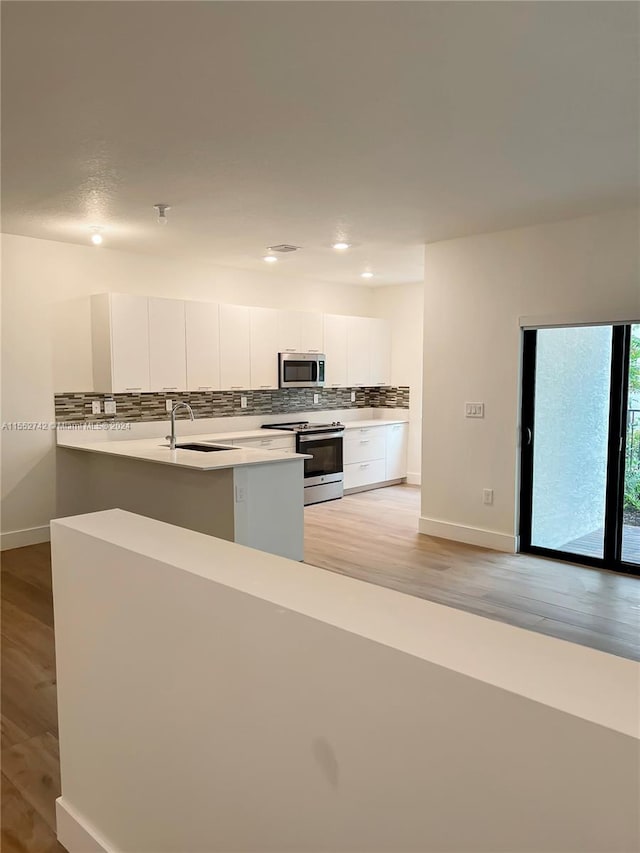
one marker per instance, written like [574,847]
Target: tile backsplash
[76,407]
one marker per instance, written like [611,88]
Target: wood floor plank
[33,768]
[23,830]
[11,733]
[31,598]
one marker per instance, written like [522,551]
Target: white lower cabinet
[374,454]
[358,474]
[396,451]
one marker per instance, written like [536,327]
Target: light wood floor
[371,536]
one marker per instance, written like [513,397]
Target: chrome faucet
[172,438]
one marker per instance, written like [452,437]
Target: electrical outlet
[474,410]
[96,408]
[487,496]
[316,399]
[109,407]
[241,494]
[353,396]
[168,405]
[243,401]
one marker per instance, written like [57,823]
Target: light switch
[168,405]
[109,407]
[353,396]
[316,399]
[474,410]
[95,407]
[487,496]
[243,402]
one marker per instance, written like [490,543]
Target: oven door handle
[303,439]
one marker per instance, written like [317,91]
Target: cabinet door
[289,332]
[380,342]
[396,453]
[264,347]
[203,346]
[359,351]
[129,318]
[235,361]
[335,349]
[167,354]
[312,332]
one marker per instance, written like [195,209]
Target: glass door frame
[618,402]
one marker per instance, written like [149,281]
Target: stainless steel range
[323,473]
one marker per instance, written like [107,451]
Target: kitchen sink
[203,448]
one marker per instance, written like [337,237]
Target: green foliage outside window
[632,461]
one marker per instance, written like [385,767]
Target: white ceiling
[386,123]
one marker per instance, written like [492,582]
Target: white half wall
[403,307]
[214,698]
[476,290]
[46,342]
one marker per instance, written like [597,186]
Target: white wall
[403,306]
[476,289]
[46,342]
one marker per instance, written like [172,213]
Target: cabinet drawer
[267,443]
[363,473]
[364,445]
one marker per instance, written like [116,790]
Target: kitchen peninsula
[241,494]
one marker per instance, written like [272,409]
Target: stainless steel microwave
[300,369]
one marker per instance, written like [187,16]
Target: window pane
[573,378]
[631,528]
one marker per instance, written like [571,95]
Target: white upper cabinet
[203,346]
[299,331]
[235,338]
[265,330]
[120,340]
[380,342]
[288,333]
[359,351]
[312,327]
[335,349]
[167,352]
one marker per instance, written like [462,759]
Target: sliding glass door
[580,496]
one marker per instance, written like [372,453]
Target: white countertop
[374,423]
[157,450]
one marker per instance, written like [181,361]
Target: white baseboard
[469,535]
[20,538]
[414,479]
[76,834]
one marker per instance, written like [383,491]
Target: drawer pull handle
[364,464]
[172,388]
[205,387]
[237,387]
[133,389]
[365,440]
[266,386]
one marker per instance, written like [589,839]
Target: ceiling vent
[284,247]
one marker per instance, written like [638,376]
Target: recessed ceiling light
[270,259]
[341,245]
[96,236]
[366,275]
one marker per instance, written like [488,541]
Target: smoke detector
[284,248]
